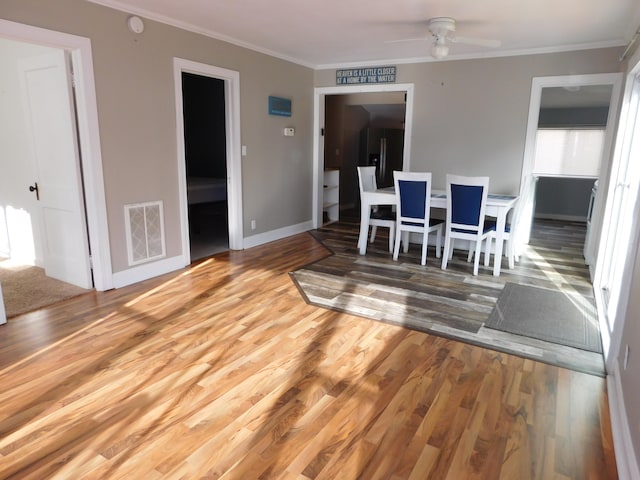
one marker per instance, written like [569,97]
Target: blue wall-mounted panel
[279,106]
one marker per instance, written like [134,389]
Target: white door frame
[232,125]
[318,126]
[537,84]
[88,135]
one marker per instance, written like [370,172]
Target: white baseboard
[266,237]
[626,460]
[566,218]
[146,271]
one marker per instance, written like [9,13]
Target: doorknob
[34,188]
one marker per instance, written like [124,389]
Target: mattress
[206,189]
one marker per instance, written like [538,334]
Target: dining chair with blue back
[466,204]
[413,193]
[377,217]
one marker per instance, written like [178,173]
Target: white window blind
[572,151]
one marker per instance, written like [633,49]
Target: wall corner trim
[626,460]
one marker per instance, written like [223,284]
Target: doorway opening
[572,127]
[48,116]
[206,164]
[363,129]
[209,134]
[573,143]
[90,161]
[342,116]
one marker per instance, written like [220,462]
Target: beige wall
[470,116]
[135,95]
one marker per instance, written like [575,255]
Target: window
[568,151]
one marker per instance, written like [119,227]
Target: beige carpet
[26,288]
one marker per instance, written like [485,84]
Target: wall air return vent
[144,223]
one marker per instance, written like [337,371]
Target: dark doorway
[206,164]
[355,127]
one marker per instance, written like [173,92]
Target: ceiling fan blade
[418,39]
[483,42]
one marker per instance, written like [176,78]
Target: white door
[621,212]
[49,104]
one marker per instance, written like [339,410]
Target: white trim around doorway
[88,134]
[234,172]
[318,126]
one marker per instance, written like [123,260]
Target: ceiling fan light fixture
[439,50]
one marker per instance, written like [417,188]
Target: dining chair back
[466,205]
[413,193]
[377,217]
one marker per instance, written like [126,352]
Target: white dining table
[498,206]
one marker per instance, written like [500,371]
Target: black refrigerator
[382,147]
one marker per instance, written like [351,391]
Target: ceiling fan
[442,31]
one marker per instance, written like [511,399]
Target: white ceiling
[335,33]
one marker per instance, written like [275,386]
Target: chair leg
[405,242]
[476,262]
[396,247]
[374,229]
[438,241]
[471,251]
[487,252]
[510,253]
[392,231]
[445,254]
[425,241]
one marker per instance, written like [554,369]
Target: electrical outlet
[253,224]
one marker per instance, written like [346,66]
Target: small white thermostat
[135,24]
[289,131]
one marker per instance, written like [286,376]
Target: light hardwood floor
[222,370]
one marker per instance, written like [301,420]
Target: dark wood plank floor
[221,370]
[453,303]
